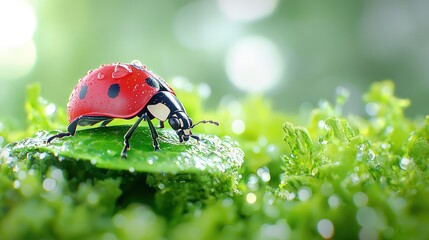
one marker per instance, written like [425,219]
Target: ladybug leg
[153,133]
[71,130]
[105,122]
[161,124]
[128,135]
[59,135]
[196,138]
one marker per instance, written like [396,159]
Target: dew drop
[359,155]
[100,75]
[371,155]
[198,165]
[137,64]
[121,70]
[314,172]
[355,178]
[404,163]
[43,155]
[111,153]
[131,169]
[322,125]
[385,145]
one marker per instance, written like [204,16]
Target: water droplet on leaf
[404,163]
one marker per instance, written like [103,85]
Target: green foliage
[373,171]
[328,176]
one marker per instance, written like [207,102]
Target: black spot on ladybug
[83,92]
[113,90]
[152,82]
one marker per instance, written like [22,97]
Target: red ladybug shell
[115,91]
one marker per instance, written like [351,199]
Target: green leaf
[102,147]
[213,163]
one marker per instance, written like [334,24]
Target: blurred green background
[292,52]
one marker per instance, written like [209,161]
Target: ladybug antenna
[205,121]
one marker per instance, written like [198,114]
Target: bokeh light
[247,10]
[198,26]
[254,64]
[17,49]
[325,228]
[17,23]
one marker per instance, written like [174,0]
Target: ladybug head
[182,124]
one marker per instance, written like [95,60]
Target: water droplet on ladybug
[121,70]
[89,72]
[138,64]
[100,75]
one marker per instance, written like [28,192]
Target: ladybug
[126,91]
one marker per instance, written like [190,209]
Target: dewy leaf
[297,138]
[213,156]
[340,128]
[102,147]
